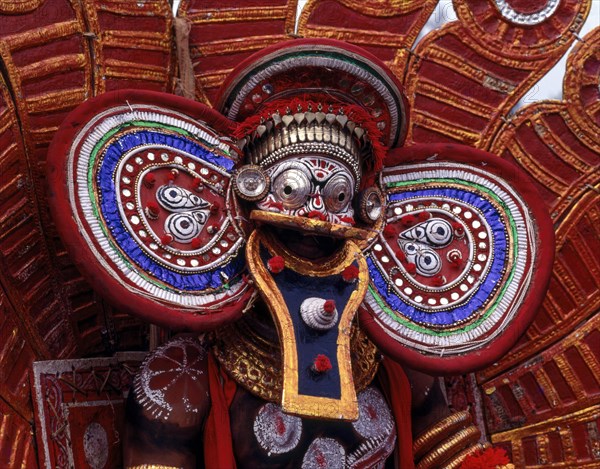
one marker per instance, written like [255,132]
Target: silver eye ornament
[251,183]
[426,260]
[435,232]
[292,187]
[337,193]
[370,205]
[185,226]
[177,199]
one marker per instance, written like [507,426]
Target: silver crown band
[304,133]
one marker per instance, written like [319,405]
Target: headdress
[316,97]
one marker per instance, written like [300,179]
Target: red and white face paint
[311,186]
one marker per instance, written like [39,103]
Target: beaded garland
[483,267]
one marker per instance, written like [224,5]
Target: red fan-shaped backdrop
[541,401]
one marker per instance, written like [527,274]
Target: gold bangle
[439,431]
[457,460]
[450,447]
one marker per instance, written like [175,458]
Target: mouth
[309,246]
[309,238]
[309,226]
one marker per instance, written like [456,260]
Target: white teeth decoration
[314,314]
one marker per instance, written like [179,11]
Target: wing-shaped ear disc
[462,263]
[140,186]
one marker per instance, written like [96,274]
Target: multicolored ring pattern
[487,304]
[102,147]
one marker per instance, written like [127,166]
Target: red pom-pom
[411,268]
[348,220]
[350,273]
[491,458]
[166,239]
[439,280]
[198,184]
[389,232]
[149,180]
[152,210]
[214,208]
[329,307]
[408,220]
[400,255]
[458,228]
[424,216]
[276,264]
[455,260]
[321,364]
[196,243]
[172,175]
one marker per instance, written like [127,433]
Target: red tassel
[348,220]
[400,255]
[152,210]
[172,175]
[458,228]
[491,458]
[329,307]
[276,264]
[350,273]
[196,243]
[389,232]
[408,220]
[166,239]
[439,280]
[149,180]
[321,364]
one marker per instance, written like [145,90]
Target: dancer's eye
[292,188]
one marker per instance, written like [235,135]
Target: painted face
[311,186]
